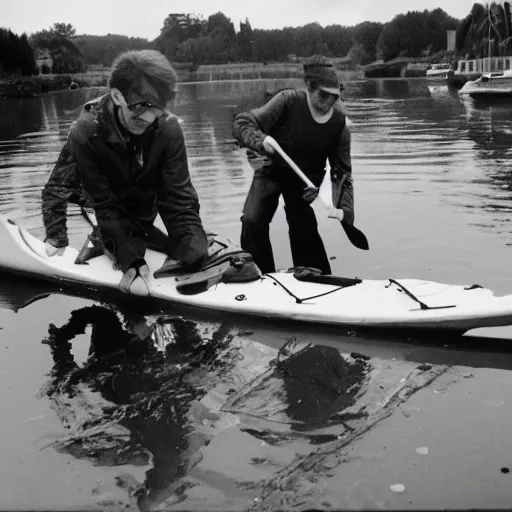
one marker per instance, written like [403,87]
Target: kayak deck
[391,303]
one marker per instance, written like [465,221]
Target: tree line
[189,38]
[16,55]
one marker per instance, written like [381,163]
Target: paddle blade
[356,237]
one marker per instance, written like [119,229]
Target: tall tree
[63,30]
[339,39]
[16,55]
[308,38]
[246,41]
[472,39]
[220,24]
[414,33]
[367,34]
[222,31]
[177,28]
[28,61]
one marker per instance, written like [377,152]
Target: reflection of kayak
[400,303]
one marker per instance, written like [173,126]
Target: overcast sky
[144,18]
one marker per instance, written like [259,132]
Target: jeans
[155,239]
[260,206]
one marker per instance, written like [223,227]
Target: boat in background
[493,84]
[439,71]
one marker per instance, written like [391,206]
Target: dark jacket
[287,119]
[127,181]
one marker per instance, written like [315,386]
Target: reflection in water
[488,126]
[307,386]
[19,116]
[16,294]
[147,394]
[331,381]
[144,395]
[37,131]
[390,89]
[219,169]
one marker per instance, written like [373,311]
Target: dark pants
[155,239]
[260,206]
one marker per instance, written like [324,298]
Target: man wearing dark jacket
[126,157]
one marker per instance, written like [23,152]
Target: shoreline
[38,85]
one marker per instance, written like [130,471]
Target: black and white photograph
[255,256]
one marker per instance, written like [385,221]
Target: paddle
[356,237]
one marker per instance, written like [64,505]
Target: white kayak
[387,303]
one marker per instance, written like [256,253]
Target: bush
[23,88]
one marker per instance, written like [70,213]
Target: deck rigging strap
[414,298]
[298,300]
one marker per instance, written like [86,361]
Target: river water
[433,194]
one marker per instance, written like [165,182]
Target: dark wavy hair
[133,71]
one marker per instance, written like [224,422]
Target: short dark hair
[132,70]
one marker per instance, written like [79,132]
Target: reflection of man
[128,152]
[151,392]
[319,384]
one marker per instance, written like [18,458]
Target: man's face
[136,114]
[322,101]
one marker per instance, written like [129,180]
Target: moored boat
[439,71]
[493,84]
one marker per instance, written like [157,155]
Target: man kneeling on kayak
[126,157]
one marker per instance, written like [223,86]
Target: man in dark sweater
[310,127]
[126,157]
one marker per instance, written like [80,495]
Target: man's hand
[52,249]
[310,194]
[135,280]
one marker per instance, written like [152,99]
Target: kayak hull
[390,303]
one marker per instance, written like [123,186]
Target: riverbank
[33,86]
[401,67]
[30,87]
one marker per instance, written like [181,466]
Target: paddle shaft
[335,213]
[291,163]
[356,236]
